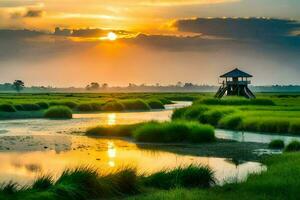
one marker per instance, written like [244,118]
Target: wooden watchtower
[235,83]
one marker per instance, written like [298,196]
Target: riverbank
[278,182]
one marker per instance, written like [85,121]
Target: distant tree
[188,85]
[93,86]
[104,86]
[18,85]
[179,84]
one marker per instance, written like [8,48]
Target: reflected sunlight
[111,119]
[111,151]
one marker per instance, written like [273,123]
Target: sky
[65,43]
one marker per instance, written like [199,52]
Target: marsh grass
[58,112]
[231,122]
[295,127]
[278,182]
[155,104]
[191,176]
[7,108]
[85,107]
[84,183]
[9,188]
[117,130]
[135,104]
[276,144]
[28,107]
[113,105]
[214,116]
[164,101]
[44,182]
[263,119]
[195,112]
[175,131]
[43,105]
[70,104]
[179,113]
[236,101]
[293,146]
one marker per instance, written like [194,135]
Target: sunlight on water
[33,147]
[111,119]
[111,152]
[106,155]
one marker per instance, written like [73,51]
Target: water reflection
[111,152]
[111,119]
[105,154]
[253,137]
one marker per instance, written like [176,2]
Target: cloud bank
[220,45]
[254,28]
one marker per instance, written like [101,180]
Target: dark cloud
[177,43]
[30,44]
[34,13]
[19,34]
[30,13]
[253,28]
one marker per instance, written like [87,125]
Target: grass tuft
[9,188]
[276,144]
[176,131]
[43,183]
[43,105]
[113,106]
[117,130]
[135,104]
[58,112]
[7,108]
[293,146]
[155,104]
[189,177]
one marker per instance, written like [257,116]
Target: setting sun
[112,36]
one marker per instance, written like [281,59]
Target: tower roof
[236,73]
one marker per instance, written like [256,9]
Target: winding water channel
[31,147]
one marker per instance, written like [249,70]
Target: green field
[269,113]
[14,106]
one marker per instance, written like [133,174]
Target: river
[31,147]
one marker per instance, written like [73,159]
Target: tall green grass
[28,107]
[113,105]
[58,112]
[85,183]
[135,104]
[155,104]
[186,177]
[7,108]
[293,146]
[179,113]
[278,182]
[117,130]
[176,131]
[236,101]
[276,144]
[43,105]
[264,119]
[70,104]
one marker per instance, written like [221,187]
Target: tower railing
[238,82]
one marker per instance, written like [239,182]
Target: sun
[112,36]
